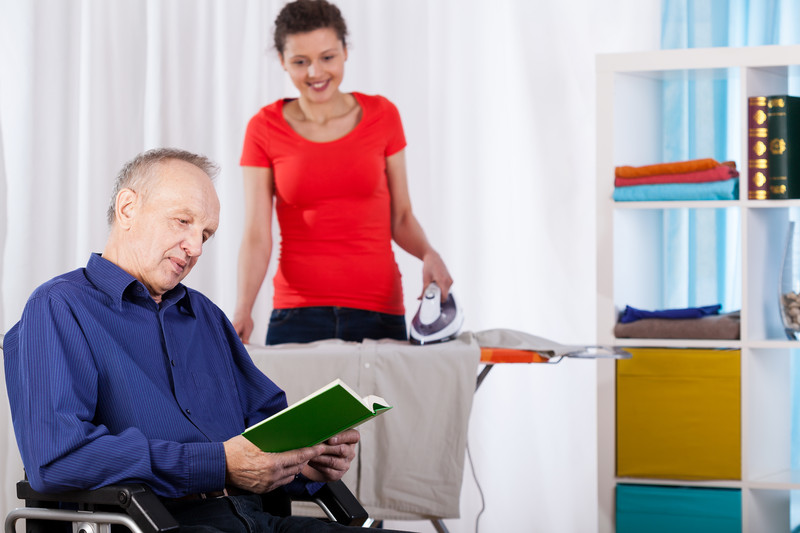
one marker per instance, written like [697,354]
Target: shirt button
[172,361]
[188,411]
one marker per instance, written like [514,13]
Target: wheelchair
[137,508]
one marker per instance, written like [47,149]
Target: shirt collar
[119,285]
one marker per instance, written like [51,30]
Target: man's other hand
[332,464]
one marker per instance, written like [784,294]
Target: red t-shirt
[334,208]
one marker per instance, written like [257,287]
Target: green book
[316,418]
[783,131]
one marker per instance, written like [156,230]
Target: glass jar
[790,283]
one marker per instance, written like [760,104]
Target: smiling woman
[333,165]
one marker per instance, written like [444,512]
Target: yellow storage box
[679,414]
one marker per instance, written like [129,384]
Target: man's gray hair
[137,171]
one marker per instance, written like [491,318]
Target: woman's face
[315,62]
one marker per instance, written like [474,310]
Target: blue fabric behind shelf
[657,509]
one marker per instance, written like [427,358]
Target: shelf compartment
[678,414]
[653,269]
[639,98]
[685,509]
[764,81]
[766,510]
[767,230]
[767,420]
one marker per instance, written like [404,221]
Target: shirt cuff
[206,466]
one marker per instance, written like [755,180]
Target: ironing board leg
[483,374]
[438,524]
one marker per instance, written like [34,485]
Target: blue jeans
[309,324]
[241,514]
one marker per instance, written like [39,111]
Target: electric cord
[553,360]
[480,490]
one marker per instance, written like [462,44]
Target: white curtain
[497,99]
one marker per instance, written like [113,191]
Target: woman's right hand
[243,324]
[256,247]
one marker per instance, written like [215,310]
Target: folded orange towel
[677,167]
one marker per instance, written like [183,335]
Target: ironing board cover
[519,340]
[505,343]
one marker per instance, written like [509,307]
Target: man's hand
[335,461]
[249,468]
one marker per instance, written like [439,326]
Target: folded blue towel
[710,190]
[631,314]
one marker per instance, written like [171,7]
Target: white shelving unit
[629,97]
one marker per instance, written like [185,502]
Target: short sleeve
[396,138]
[255,152]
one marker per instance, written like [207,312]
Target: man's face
[169,225]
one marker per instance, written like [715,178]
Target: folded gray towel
[717,327]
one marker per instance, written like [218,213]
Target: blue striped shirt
[107,386]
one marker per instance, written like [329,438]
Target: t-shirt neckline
[359,100]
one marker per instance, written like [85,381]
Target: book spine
[757,164]
[792,139]
[776,135]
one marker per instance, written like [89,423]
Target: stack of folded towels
[686,323]
[698,179]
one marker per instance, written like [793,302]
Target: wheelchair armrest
[337,499]
[137,500]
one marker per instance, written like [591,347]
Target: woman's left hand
[434,269]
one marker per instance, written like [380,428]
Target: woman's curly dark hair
[302,16]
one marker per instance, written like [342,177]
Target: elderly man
[118,373]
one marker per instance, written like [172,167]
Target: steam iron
[436,321]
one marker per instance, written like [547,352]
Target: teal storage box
[661,509]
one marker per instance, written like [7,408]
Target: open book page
[371,402]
